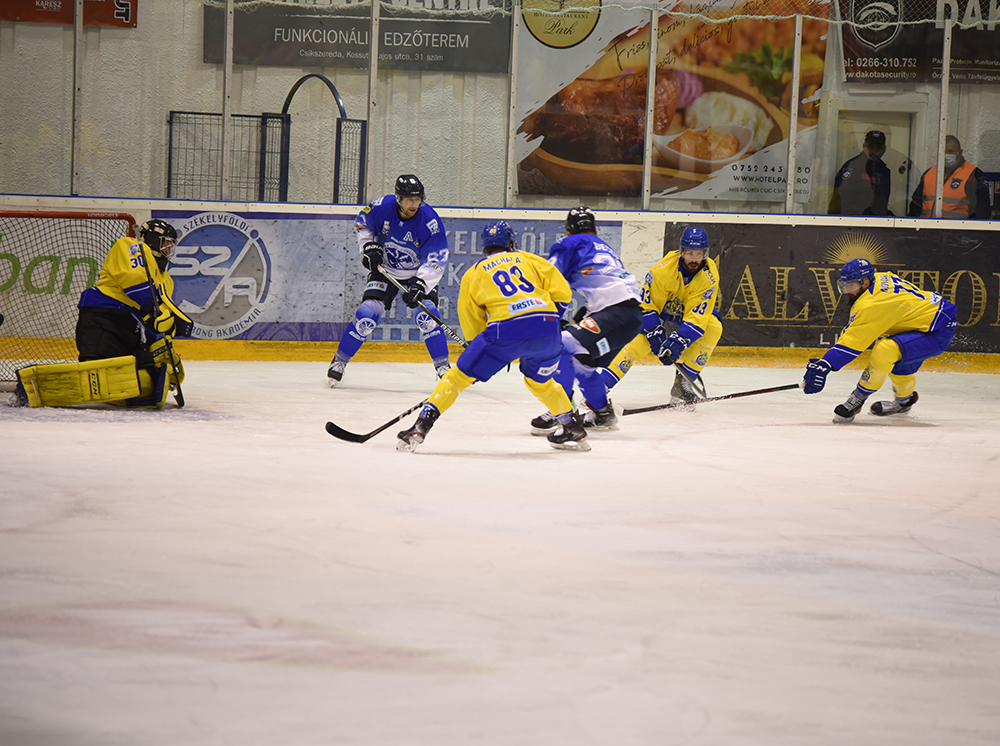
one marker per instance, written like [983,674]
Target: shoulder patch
[708,294]
[433,227]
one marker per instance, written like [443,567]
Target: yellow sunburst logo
[855,246]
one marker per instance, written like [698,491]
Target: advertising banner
[300,278]
[779,282]
[721,112]
[113,13]
[889,41]
[409,39]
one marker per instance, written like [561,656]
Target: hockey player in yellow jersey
[509,304]
[123,333]
[682,289]
[907,326]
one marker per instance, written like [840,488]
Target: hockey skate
[571,437]
[847,411]
[440,370]
[600,419]
[896,406]
[544,424]
[408,440]
[683,393]
[335,372]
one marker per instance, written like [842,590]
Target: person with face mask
[966,193]
[863,183]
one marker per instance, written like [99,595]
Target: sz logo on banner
[876,22]
[221,271]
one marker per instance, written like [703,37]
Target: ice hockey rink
[747,573]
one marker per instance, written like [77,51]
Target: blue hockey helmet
[581,220]
[497,233]
[694,239]
[409,185]
[855,270]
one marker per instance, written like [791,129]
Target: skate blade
[544,430]
[571,445]
[838,420]
[409,446]
[332,382]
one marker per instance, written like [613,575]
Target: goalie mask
[159,236]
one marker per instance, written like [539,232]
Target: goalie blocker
[113,380]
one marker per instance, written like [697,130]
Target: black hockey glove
[416,291]
[373,256]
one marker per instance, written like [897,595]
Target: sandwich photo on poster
[720,115]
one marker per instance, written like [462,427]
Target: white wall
[450,129]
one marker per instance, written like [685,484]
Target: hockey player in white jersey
[613,317]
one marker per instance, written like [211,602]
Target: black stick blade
[338,432]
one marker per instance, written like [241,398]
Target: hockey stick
[447,329]
[786,387]
[338,432]
[155,292]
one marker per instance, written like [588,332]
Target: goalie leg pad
[65,384]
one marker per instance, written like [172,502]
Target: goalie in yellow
[123,334]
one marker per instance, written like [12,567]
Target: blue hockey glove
[373,256]
[416,291]
[657,337]
[673,348]
[815,377]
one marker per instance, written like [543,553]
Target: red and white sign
[114,13]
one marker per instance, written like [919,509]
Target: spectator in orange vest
[966,192]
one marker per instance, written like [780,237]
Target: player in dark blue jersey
[403,235]
[613,316]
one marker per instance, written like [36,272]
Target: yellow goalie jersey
[508,285]
[690,306]
[123,282]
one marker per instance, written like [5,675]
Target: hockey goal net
[46,260]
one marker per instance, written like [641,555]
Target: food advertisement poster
[721,113]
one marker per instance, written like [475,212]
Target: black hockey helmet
[409,185]
[581,220]
[159,236]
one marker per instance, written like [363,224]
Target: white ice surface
[748,573]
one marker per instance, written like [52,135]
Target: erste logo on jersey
[221,272]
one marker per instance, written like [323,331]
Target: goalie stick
[772,389]
[448,330]
[338,432]
[155,292]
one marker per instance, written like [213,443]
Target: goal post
[47,258]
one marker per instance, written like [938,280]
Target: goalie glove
[815,378]
[164,323]
[372,257]
[416,291]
